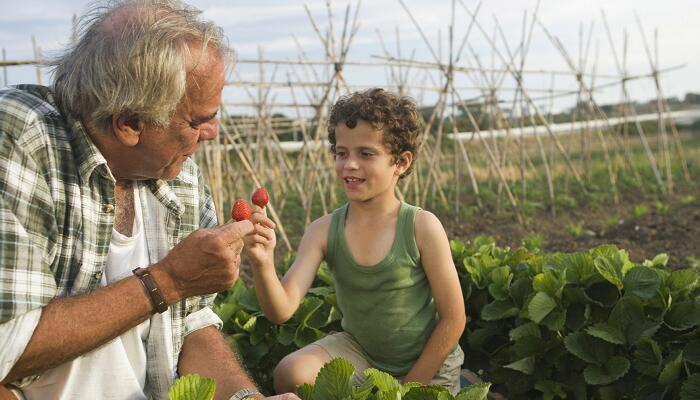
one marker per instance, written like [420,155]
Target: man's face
[161,152]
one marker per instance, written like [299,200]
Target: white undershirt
[116,370]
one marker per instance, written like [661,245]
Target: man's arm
[205,262]
[205,352]
[72,326]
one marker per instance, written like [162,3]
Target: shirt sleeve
[201,319]
[14,337]
[27,226]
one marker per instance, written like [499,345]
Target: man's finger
[234,230]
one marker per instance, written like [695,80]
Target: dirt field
[671,227]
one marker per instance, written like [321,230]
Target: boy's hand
[260,244]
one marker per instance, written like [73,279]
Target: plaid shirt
[57,216]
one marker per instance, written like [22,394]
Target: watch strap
[154,294]
[243,394]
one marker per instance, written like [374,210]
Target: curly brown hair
[395,116]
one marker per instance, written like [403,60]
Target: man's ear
[127,128]
[403,162]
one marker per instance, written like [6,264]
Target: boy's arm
[280,299]
[436,257]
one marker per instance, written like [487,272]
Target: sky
[281,30]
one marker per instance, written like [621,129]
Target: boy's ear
[403,162]
[127,128]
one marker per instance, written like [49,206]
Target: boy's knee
[294,370]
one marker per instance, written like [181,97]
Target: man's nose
[210,131]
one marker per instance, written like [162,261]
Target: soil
[674,229]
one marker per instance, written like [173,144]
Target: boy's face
[363,162]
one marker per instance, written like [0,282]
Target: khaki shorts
[342,344]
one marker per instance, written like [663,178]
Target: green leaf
[642,282]
[690,390]
[305,391]
[527,346]
[527,329]
[549,282]
[458,249]
[660,260]
[609,333]
[615,368]
[249,300]
[610,270]
[588,348]
[579,267]
[683,315]
[306,309]
[672,370]
[519,290]
[500,282]
[576,316]
[476,271]
[691,352]
[602,293]
[550,390]
[540,306]
[682,281]
[648,358]
[285,335]
[474,392]
[499,309]
[427,392]
[525,365]
[192,387]
[556,320]
[334,380]
[383,381]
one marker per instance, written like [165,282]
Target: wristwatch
[243,394]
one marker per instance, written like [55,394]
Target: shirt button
[97,275]
[108,208]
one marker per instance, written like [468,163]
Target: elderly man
[109,246]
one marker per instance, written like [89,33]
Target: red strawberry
[260,197]
[241,210]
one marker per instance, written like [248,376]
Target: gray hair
[130,57]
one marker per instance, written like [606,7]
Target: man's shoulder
[26,106]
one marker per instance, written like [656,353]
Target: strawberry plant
[334,381]
[262,344]
[585,325]
[192,387]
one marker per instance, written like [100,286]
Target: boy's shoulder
[319,227]
[427,226]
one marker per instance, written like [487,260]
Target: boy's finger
[258,209]
[263,220]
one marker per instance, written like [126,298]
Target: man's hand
[205,262]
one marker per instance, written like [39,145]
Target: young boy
[397,287]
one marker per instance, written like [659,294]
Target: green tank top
[388,307]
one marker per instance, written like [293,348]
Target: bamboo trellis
[275,136]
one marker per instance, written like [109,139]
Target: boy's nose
[351,164]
